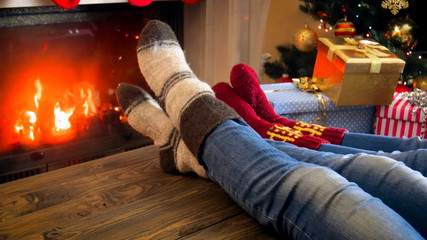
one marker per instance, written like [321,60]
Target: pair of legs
[298,199]
[245,96]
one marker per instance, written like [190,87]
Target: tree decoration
[344,28]
[421,83]
[305,39]
[394,5]
[400,31]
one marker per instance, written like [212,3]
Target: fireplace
[59,72]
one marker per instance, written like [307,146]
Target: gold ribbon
[368,48]
[307,84]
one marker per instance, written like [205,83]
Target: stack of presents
[352,87]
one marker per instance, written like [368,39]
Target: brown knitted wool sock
[190,104]
[145,116]
[245,83]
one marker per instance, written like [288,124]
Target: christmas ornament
[400,32]
[67,4]
[402,88]
[140,3]
[344,28]
[421,83]
[305,39]
[395,5]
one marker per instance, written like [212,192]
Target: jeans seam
[240,202]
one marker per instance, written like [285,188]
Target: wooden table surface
[124,196]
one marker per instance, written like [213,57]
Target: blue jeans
[398,186]
[411,151]
[298,199]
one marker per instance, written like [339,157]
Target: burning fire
[30,127]
[62,121]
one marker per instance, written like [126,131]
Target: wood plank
[75,172]
[122,196]
[16,202]
[173,217]
[236,227]
[184,205]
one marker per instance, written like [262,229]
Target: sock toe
[242,79]
[154,33]
[130,96]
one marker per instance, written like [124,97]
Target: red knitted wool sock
[273,131]
[245,83]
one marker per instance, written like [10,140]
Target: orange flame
[88,104]
[26,125]
[62,121]
[29,127]
[38,94]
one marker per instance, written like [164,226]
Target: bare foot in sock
[145,116]
[273,131]
[190,104]
[245,83]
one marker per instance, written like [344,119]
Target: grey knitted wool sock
[190,103]
[145,116]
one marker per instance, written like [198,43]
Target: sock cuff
[201,117]
[334,135]
[311,142]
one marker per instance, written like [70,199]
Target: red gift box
[400,120]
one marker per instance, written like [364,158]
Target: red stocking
[67,4]
[246,84]
[140,3]
[273,131]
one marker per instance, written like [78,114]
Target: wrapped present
[292,103]
[359,72]
[400,119]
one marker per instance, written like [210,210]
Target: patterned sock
[245,83]
[273,131]
[145,116]
[190,104]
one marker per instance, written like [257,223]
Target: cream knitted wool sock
[190,103]
[145,116]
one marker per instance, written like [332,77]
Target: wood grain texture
[124,196]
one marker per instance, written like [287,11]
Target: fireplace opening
[58,77]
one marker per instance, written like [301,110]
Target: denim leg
[382,143]
[399,187]
[415,159]
[299,200]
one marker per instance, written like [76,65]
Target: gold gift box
[356,72]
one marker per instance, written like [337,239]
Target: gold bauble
[421,83]
[305,39]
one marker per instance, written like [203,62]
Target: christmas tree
[398,25]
